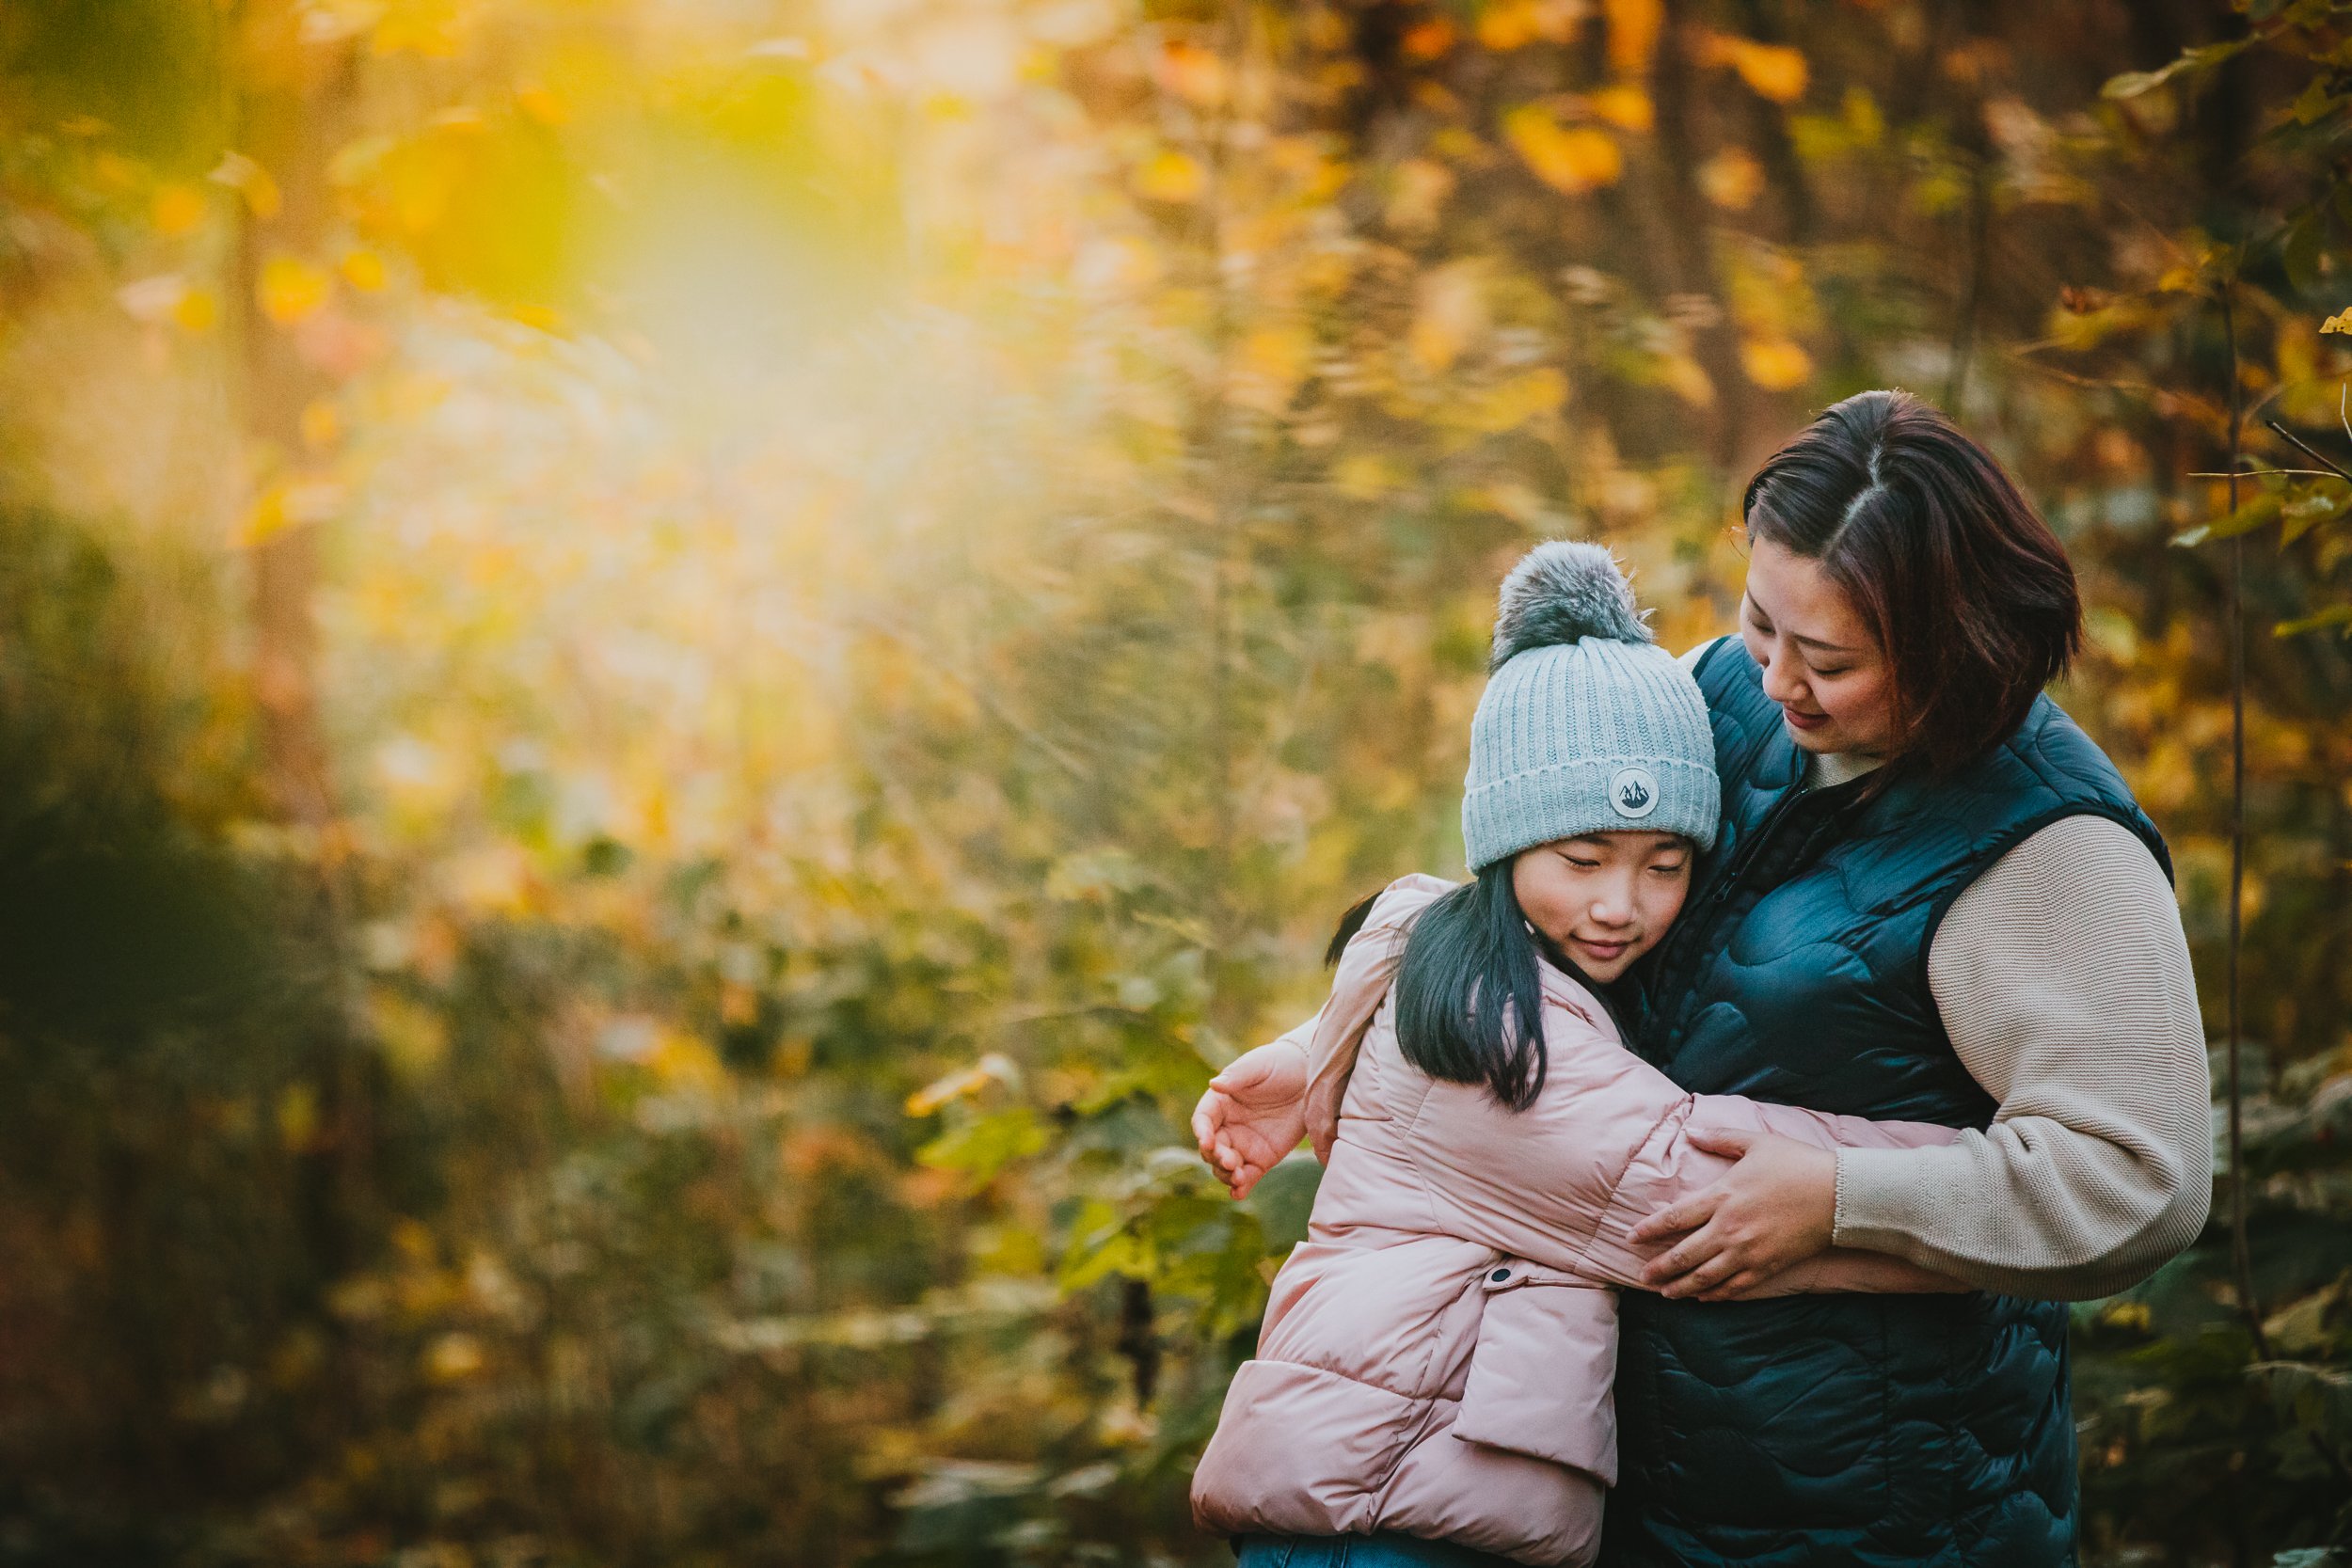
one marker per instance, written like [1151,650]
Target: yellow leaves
[363,270]
[2132,1316]
[1683,376]
[1859,124]
[170,298]
[286,504]
[1450,310]
[250,180]
[1272,363]
[1418,193]
[290,289]
[1731,178]
[176,210]
[432,28]
[685,1062]
[1367,476]
[1172,177]
[1428,39]
[1515,402]
[994,1067]
[454,1358]
[414,1039]
[1193,73]
[1777,365]
[1315,175]
[196,311]
[1772,71]
[1572,159]
[1507,25]
[1633,30]
[543,104]
[2340,322]
[1773,305]
[1625,106]
[493,879]
[297,1117]
[320,423]
[2297,350]
[2080,329]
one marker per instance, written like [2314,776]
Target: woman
[1933,900]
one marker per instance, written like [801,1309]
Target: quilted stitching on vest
[1828,1431]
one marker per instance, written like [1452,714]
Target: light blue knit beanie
[1586,725]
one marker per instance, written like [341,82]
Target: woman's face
[1820,663]
[1605,898]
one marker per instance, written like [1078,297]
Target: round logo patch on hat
[1634,793]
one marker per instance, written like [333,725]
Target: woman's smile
[1801,721]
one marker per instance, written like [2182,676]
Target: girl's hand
[1774,1208]
[1253,1113]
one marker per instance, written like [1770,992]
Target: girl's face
[1820,663]
[1605,898]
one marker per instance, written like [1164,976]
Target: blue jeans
[1384,1550]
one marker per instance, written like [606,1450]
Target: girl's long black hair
[1469,996]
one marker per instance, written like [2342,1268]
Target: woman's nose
[1778,685]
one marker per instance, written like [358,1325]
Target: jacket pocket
[1542,1372]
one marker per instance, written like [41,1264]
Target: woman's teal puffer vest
[1828,1431]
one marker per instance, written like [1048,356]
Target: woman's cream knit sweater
[2063,979]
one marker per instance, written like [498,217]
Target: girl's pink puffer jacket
[1438,1356]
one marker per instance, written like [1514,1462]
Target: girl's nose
[1778,685]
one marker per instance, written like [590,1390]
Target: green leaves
[2338,617]
[2252,515]
[2192,63]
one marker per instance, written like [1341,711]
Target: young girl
[1436,1358]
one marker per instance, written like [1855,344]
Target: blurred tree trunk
[1691,232]
[294,99]
[295,109]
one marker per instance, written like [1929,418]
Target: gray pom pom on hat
[1565,592]
[1586,725]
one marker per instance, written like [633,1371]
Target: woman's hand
[1774,1208]
[1253,1113]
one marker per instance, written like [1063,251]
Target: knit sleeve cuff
[1889,1199]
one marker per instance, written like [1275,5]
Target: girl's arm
[1686,1157]
[1255,1111]
[2062,976]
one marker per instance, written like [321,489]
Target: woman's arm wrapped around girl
[1607,1141]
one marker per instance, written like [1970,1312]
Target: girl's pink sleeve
[1669,1167]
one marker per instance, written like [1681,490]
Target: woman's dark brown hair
[1967,592]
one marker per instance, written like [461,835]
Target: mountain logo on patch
[1633,792]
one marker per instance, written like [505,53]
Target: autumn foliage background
[671,671]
